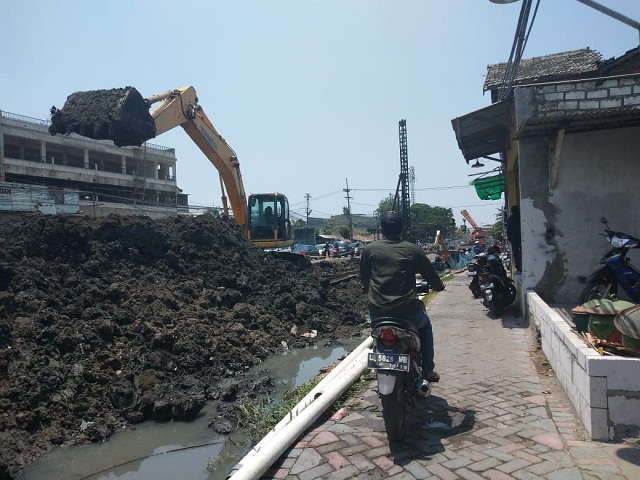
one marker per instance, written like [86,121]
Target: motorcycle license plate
[388,361]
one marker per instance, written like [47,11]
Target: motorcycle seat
[394,322]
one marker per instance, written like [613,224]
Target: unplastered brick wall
[604,390]
[572,97]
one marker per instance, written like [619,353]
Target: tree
[427,220]
[385,205]
[498,228]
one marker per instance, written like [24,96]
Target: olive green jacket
[388,271]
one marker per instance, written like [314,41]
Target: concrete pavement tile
[496,475]
[360,462]
[533,459]
[545,467]
[331,447]
[373,453]
[566,474]
[550,439]
[500,455]
[336,460]
[442,473]
[416,469]
[322,438]
[317,472]
[544,424]
[386,464]
[307,460]
[403,476]
[372,441]
[355,449]
[277,473]
[468,474]
[485,464]
[457,463]
[513,465]
[342,474]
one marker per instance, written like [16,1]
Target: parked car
[308,250]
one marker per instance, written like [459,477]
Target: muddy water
[179,450]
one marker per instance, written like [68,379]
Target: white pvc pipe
[321,397]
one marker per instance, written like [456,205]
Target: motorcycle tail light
[387,337]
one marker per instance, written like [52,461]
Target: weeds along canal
[170,450]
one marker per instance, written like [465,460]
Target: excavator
[122,115]
[477,233]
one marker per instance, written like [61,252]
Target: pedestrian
[514,236]
[388,269]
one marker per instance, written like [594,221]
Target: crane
[478,233]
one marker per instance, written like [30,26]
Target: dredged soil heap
[116,320]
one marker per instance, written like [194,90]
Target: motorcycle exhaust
[424,388]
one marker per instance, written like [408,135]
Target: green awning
[489,188]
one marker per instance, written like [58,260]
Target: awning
[483,132]
[489,188]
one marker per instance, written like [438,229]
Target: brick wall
[576,96]
[604,390]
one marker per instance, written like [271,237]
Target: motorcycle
[396,359]
[498,292]
[473,270]
[617,270]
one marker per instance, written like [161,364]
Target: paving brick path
[497,413]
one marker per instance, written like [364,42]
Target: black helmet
[492,250]
[391,223]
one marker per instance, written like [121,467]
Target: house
[566,138]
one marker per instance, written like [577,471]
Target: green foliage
[427,220]
[257,419]
[298,223]
[330,227]
[498,227]
[385,205]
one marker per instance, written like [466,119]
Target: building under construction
[75,174]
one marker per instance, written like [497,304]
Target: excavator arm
[180,107]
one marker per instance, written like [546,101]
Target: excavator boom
[122,115]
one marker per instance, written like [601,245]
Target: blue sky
[308,93]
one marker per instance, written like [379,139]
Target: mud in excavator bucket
[119,114]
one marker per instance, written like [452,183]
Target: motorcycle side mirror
[603,220]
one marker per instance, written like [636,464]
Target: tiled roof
[558,66]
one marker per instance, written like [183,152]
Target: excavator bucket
[119,114]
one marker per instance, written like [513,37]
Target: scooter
[395,357]
[473,270]
[497,292]
[617,270]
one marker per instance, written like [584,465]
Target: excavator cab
[268,220]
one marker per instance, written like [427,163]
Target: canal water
[180,450]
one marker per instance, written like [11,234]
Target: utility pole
[306,229]
[347,211]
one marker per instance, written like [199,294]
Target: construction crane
[402,201]
[478,233]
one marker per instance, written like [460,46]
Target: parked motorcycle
[473,270]
[498,291]
[617,270]
[396,358]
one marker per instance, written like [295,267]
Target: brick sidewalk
[493,415]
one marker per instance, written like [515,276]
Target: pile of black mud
[112,321]
[118,114]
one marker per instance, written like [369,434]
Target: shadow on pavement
[432,420]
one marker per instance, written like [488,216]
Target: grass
[256,419]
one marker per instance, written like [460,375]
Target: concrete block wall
[604,390]
[574,96]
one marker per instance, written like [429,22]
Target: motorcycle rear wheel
[509,295]
[595,291]
[393,411]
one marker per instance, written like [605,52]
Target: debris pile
[118,114]
[112,321]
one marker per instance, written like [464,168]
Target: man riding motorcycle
[388,271]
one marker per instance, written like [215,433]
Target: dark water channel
[179,450]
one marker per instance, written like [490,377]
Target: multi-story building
[42,172]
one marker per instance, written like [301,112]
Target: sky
[308,93]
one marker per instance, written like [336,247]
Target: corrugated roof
[585,121]
[557,66]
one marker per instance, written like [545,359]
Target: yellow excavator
[122,115]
